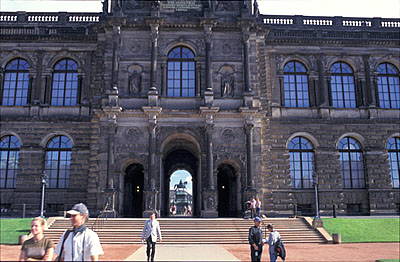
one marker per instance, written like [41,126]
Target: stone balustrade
[335,22]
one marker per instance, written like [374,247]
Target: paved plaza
[296,252]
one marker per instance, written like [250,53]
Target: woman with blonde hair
[37,248]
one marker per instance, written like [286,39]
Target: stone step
[190,230]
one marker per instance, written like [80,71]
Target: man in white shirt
[151,231]
[80,243]
[273,238]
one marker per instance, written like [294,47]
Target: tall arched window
[16,83]
[58,161]
[388,86]
[64,91]
[343,90]
[9,157]
[301,162]
[352,165]
[295,84]
[181,79]
[393,147]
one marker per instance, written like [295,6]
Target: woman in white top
[258,207]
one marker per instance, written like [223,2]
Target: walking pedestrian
[258,207]
[80,243]
[273,238]
[256,240]
[38,247]
[151,231]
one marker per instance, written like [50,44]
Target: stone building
[112,103]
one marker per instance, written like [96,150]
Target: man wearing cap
[80,243]
[256,240]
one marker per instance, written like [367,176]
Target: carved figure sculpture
[135,82]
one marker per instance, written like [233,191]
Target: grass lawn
[10,229]
[364,230]
[389,260]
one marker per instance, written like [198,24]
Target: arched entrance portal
[181,194]
[177,160]
[227,191]
[133,191]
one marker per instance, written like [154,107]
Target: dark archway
[227,187]
[133,191]
[179,159]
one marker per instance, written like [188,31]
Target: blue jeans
[272,254]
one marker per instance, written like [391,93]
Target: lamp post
[44,183]
[316,197]
[317,222]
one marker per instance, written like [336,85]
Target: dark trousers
[151,246]
[254,257]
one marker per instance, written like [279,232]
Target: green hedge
[364,230]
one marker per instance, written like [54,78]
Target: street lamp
[317,222]
[44,184]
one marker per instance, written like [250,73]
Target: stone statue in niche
[227,82]
[132,4]
[224,6]
[135,82]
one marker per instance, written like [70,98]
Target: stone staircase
[190,230]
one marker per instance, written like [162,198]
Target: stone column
[208,25]
[249,127]
[154,53]
[151,189]
[115,55]
[313,89]
[210,195]
[323,88]
[246,66]
[1,84]
[37,83]
[370,86]
[46,93]
[210,155]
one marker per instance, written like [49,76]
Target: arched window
[343,90]
[352,165]
[58,161]
[64,91]
[388,86]
[295,84]
[181,79]
[393,147]
[301,162]
[9,157]
[16,83]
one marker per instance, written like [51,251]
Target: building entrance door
[180,184]
[133,191]
[227,191]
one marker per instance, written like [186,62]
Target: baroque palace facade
[108,105]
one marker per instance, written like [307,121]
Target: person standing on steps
[253,207]
[80,243]
[258,207]
[256,240]
[151,231]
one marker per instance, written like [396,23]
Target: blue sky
[356,8]
[184,176]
